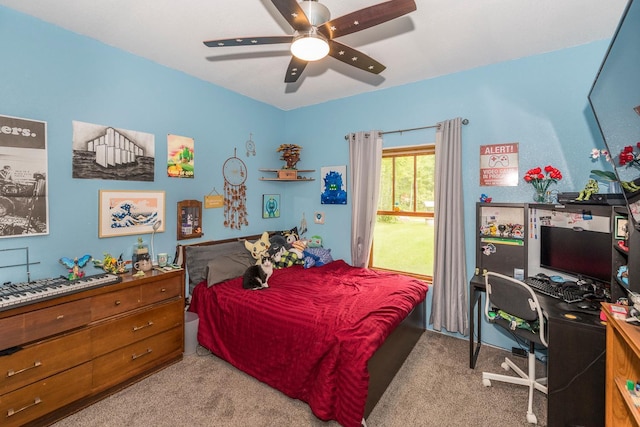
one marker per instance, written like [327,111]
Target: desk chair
[517,303]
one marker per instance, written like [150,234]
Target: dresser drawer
[161,290]
[136,358]
[113,303]
[12,331]
[41,360]
[37,324]
[38,399]
[125,331]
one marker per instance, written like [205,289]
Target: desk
[575,359]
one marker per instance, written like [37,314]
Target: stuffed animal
[259,248]
[315,242]
[278,245]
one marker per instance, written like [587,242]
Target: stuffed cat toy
[257,276]
[259,247]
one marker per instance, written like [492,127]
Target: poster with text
[499,165]
[24,207]
[180,157]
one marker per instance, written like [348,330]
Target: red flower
[539,180]
[628,157]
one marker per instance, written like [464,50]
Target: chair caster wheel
[486,382]
[532,419]
[505,366]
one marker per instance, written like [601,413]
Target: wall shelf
[297,178]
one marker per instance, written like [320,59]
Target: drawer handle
[163,290]
[118,302]
[60,317]
[36,401]
[137,328]
[135,356]
[12,372]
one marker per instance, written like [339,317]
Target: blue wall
[56,76]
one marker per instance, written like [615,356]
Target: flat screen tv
[615,101]
[580,253]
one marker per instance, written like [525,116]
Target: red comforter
[311,333]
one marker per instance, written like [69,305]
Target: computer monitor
[581,253]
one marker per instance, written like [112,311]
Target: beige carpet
[435,387]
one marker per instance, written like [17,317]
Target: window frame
[395,152]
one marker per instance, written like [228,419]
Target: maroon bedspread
[311,334]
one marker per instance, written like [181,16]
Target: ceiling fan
[314,34]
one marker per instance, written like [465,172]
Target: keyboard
[18,294]
[546,288]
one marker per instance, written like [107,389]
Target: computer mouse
[570,285]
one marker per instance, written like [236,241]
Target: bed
[332,336]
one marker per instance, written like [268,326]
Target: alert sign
[499,165]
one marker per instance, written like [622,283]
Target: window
[403,238]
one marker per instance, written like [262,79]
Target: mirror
[615,100]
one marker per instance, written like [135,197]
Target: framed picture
[270,206]
[621,225]
[333,189]
[126,212]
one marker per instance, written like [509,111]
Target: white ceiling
[441,37]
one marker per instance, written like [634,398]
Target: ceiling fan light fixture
[310,46]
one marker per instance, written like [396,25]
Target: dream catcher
[235,192]
[251,146]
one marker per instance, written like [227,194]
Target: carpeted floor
[435,387]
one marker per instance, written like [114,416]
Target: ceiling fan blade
[366,18]
[293,13]
[295,69]
[353,57]
[248,41]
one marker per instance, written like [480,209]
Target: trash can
[190,332]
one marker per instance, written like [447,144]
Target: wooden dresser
[623,363]
[79,348]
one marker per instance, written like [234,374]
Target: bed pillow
[197,258]
[228,266]
[317,257]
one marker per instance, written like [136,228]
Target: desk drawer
[43,359]
[136,358]
[31,402]
[125,331]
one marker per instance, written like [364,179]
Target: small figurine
[290,154]
[589,189]
[75,265]
[484,198]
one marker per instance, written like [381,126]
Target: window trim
[425,149]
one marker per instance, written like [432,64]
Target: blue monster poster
[334,185]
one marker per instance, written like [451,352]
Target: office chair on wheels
[514,306]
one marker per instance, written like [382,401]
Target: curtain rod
[400,131]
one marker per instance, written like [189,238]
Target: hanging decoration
[251,146]
[234,172]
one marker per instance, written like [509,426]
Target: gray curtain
[365,157]
[449,308]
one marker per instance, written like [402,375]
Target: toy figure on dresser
[75,266]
